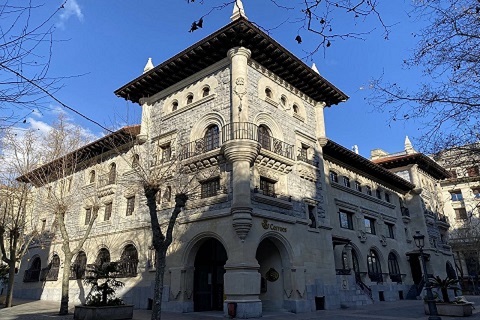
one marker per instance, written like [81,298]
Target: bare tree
[26,40]
[323,19]
[57,189]
[16,229]
[163,169]
[447,98]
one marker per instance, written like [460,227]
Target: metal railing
[239,130]
[106,179]
[366,289]
[405,212]
[126,268]
[49,274]
[396,278]
[276,146]
[198,147]
[306,160]
[376,277]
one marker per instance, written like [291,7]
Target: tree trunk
[11,281]
[65,285]
[158,292]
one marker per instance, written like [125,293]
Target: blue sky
[102,45]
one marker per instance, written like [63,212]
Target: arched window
[129,261]
[50,273]
[79,266]
[356,266]
[102,257]
[283,100]
[205,91]
[92,176]
[112,173]
[211,138]
[174,106]
[374,267]
[268,93]
[189,98]
[159,197]
[264,137]
[295,109]
[393,268]
[33,273]
[135,160]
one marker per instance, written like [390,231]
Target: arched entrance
[208,277]
[272,278]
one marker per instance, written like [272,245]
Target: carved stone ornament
[383,240]
[362,235]
[268,174]
[272,275]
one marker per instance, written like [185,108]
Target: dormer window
[189,98]
[205,91]
[268,93]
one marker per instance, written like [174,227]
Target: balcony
[125,268]
[443,221]
[309,161]
[31,275]
[343,272]
[375,277]
[396,278]
[106,184]
[239,130]
[49,274]
[198,147]
[200,154]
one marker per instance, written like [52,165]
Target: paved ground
[399,310]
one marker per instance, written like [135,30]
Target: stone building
[280,216]
[461,199]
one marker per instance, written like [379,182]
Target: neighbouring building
[281,217]
[461,198]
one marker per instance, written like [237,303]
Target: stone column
[348,249]
[239,57]
[320,131]
[242,279]
[145,125]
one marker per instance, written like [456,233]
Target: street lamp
[432,307]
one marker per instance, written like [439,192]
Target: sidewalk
[398,310]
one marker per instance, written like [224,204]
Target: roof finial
[149,66]
[238,11]
[314,68]
[408,146]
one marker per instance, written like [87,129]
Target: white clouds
[41,126]
[71,8]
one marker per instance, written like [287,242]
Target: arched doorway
[271,271]
[208,277]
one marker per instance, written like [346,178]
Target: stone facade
[279,216]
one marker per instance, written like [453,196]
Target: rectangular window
[267,186]
[369,190]
[88,215]
[210,188]
[358,186]
[108,211]
[312,216]
[346,182]
[130,205]
[378,193]
[456,195]
[387,197]
[166,152]
[44,222]
[460,214]
[390,233]
[333,176]
[370,225]
[346,220]
[453,173]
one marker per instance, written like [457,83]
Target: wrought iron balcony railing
[49,274]
[343,271]
[106,179]
[306,160]
[239,130]
[276,146]
[126,268]
[198,147]
[31,275]
[396,278]
[375,277]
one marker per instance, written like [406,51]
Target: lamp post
[432,307]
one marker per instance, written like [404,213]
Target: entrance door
[208,277]
[416,269]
